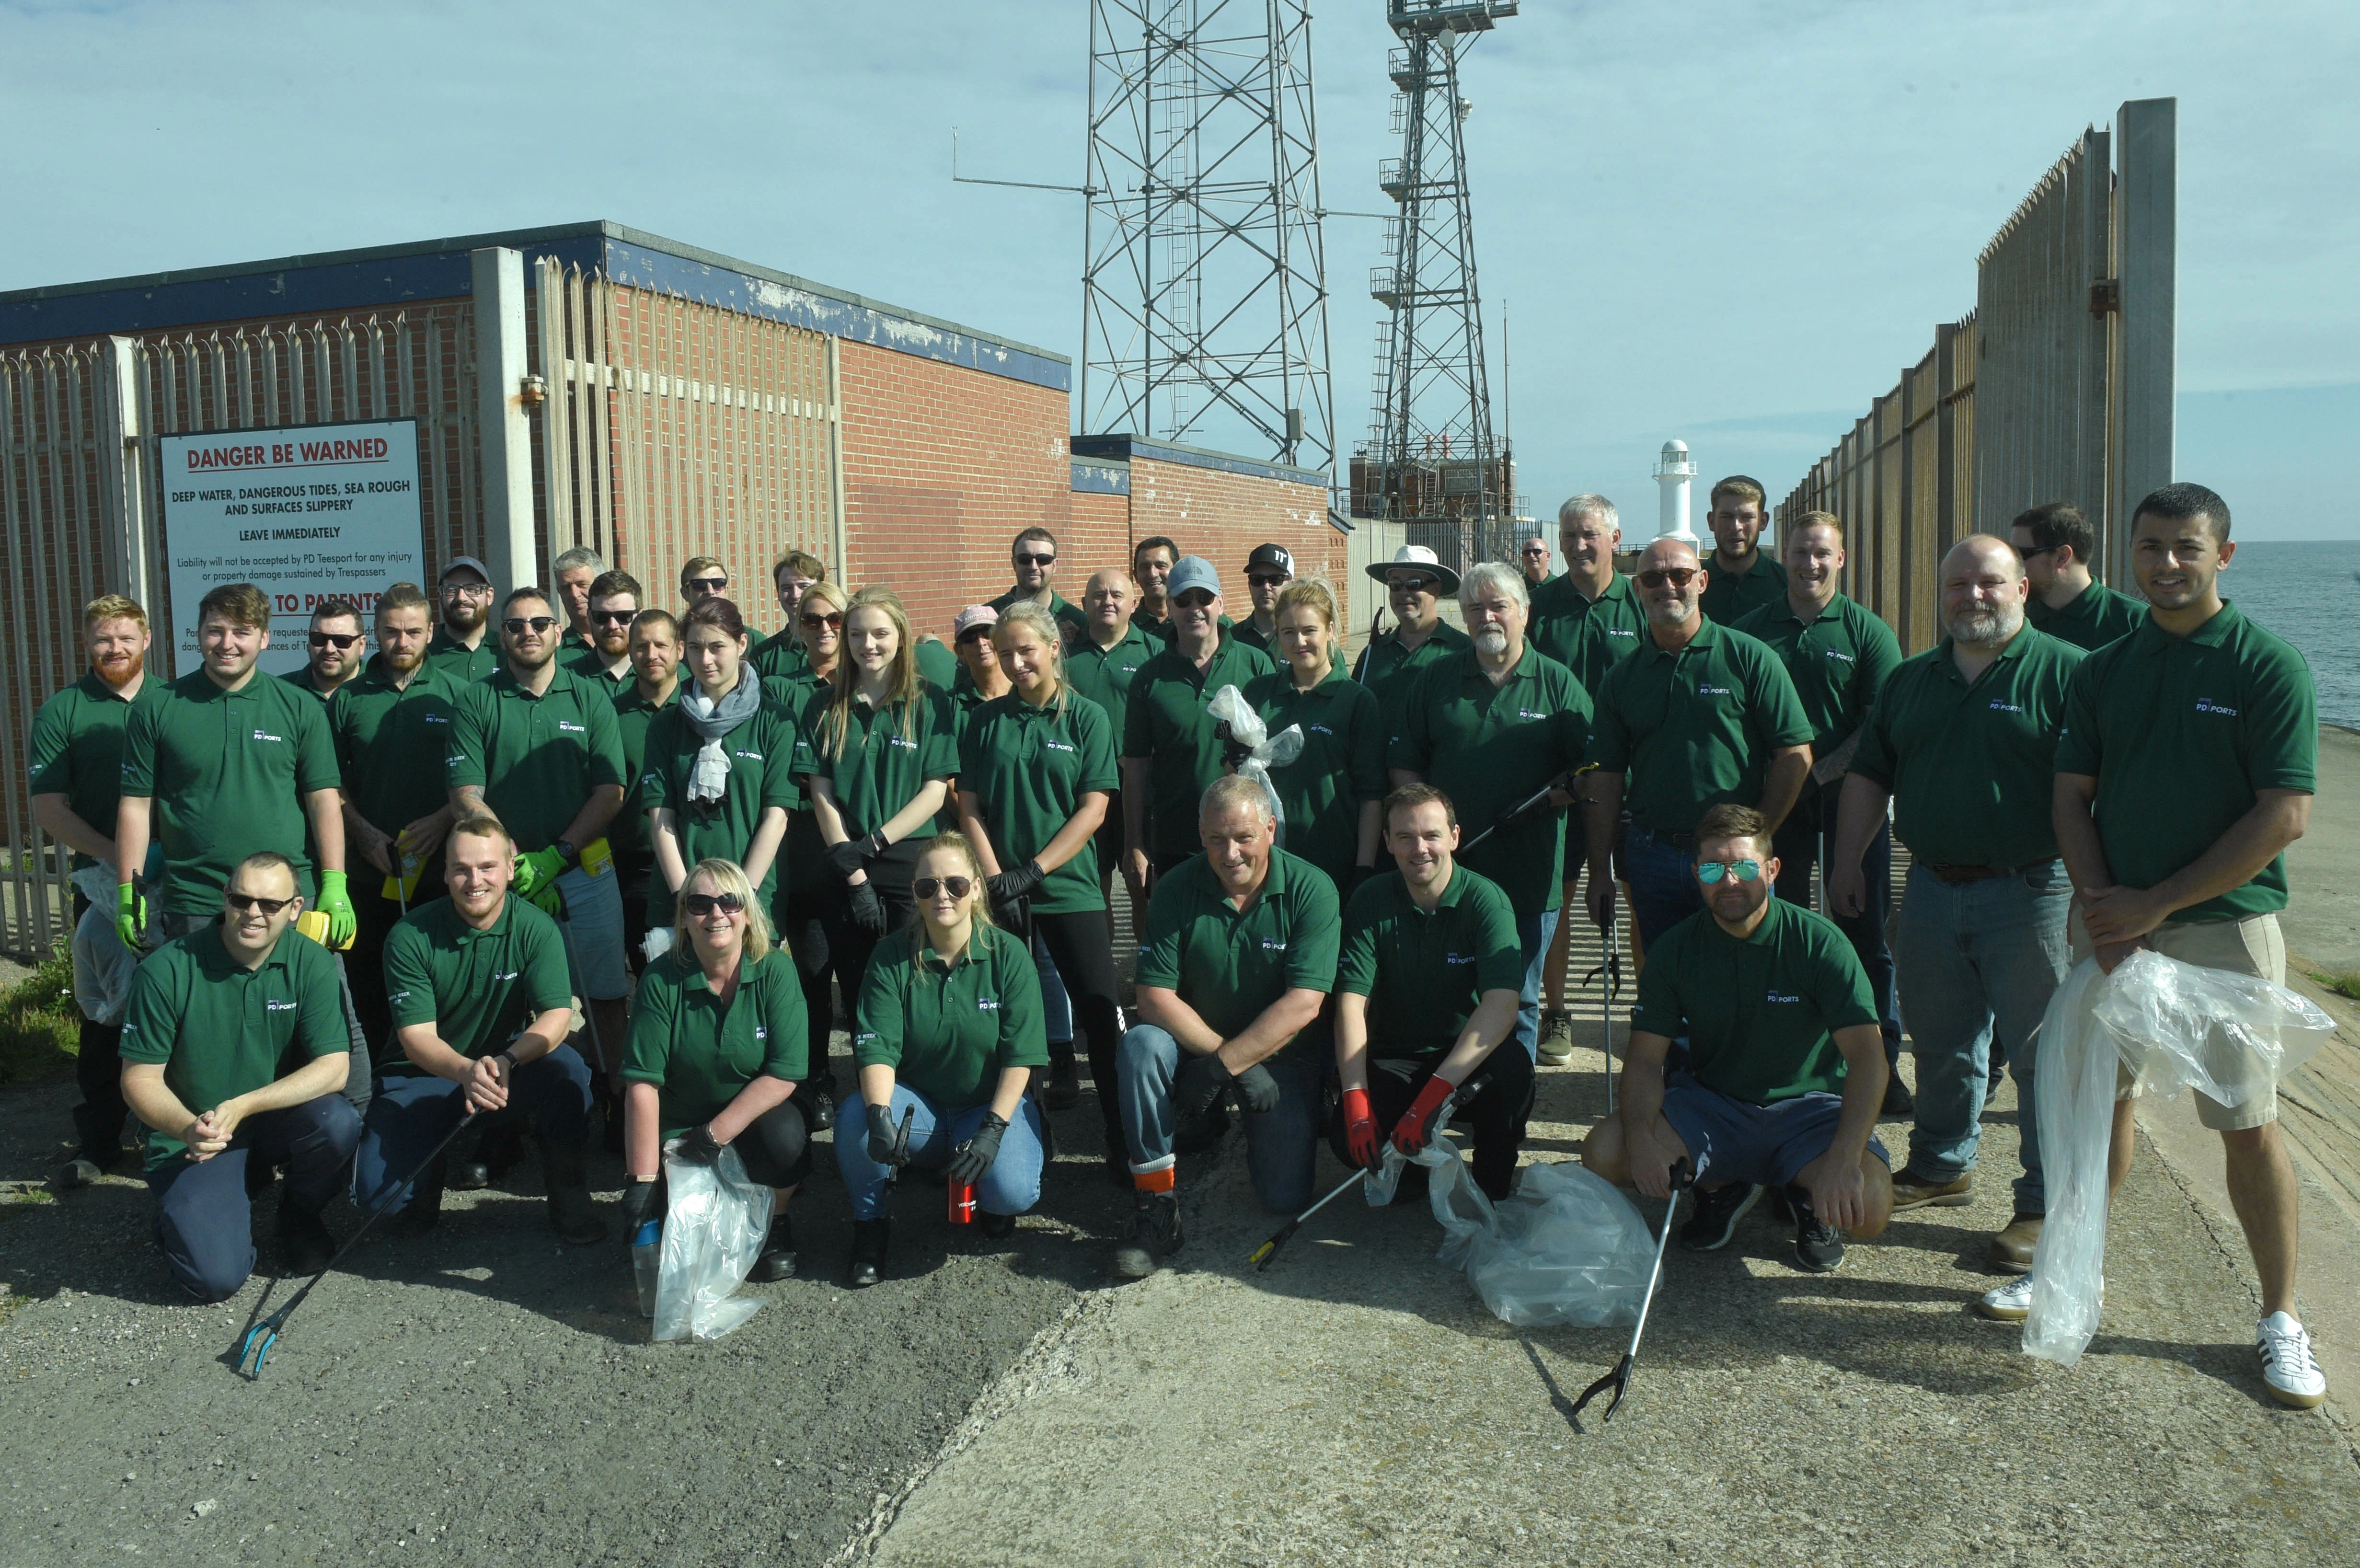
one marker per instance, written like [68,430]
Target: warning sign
[305,513]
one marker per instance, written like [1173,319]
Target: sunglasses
[1036,560]
[1710,872]
[1678,577]
[701,906]
[1419,585]
[337,640]
[956,886]
[828,621]
[614,617]
[269,906]
[710,584]
[1267,581]
[517,625]
[2044,549]
[1535,552]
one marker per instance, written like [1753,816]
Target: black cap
[1275,555]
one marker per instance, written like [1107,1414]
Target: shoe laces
[2287,1349]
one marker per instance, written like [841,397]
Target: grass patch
[2344,982]
[40,1031]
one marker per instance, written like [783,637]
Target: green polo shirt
[1489,748]
[1104,674]
[383,733]
[1341,767]
[627,834]
[536,757]
[883,760]
[1729,599]
[590,665]
[1253,636]
[480,989]
[1587,636]
[949,1032]
[1760,1013]
[1970,768]
[700,1051]
[1067,614]
[1167,723]
[219,1029]
[1425,974]
[1390,673]
[228,772]
[2097,616]
[77,748]
[937,666]
[1230,967]
[306,680]
[780,654]
[1839,661]
[2181,734]
[1030,767]
[761,762]
[1690,729]
[464,663]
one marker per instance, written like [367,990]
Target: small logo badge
[1999,706]
[1705,688]
[2206,704]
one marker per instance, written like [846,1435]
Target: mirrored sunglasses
[1710,870]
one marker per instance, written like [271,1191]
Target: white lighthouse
[1674,473]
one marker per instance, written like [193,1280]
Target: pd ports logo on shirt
[272,1005]
[1999,706]
[1838,653]
[987,1004]
[902,741]
[433,718]
[2206,704]
[498,979]
[1706,688]
[267,735]
[1782,996]
[1456,958]
[565,729]
[1270,945]
[761,1034]
[1061,746]
[749,756]
[1528,713]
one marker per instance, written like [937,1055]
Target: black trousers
[1082,948]
[776,1146]
[98,1074]
[375,919]
[891,872]
[807,896]
[1494,1104]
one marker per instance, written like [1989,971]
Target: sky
[1729,220]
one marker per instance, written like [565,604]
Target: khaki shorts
[2252,946]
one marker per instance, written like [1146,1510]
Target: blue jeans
[1662,875]
[413,1110]
[1807,829]
[1972,957]
[1282,1145]
[1536,931]
[204,1223]
[1057,1007]
[1012,1186]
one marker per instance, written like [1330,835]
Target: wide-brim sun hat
[1424,559]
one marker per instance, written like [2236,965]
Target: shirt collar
[1707,636]
[214,958]
[2152,638]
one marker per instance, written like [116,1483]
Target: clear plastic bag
[102,966]
[715,1223]
[2174,1026]
[1268,750]
[1566,1249]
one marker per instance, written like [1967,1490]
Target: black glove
[638,1206]
[1202,1079]
[1234,751]
[854,854]
[1009,886]
[868,908]
[973,1157]
[885,1146]
[1257,1090]
[697,1147]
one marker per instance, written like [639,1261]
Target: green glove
[548,900]
[337,905]
[130,914]
[538,870]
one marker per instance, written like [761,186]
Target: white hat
[1421,557]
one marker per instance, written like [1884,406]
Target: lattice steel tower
[1204,281]
[1431,456]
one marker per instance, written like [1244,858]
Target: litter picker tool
[1260,1257]
[1527,808]
[1619,1379]
[261,1339]
[1608,974]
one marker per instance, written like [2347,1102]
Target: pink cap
[970,617]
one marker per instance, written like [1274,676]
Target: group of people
[1349,932]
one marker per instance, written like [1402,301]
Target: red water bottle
[962,1202]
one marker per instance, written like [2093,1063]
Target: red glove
[1416,1128]
[1360,1129]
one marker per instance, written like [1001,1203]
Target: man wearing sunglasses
[460,649]
[1533,559]
[2069,604]
[1414,580]
[613,603]
[1744,577]
[234,1051]
[781,654]
[539,748]
[575,573]
[1034,553]
[1785,1066]
[1268,570]
[337,649]
[703,577]
[1698,716]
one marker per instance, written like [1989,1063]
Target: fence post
[2146,242]
[122,477]
[503,433]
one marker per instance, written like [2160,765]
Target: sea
[2308,593]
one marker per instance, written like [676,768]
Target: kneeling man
[1426,987]
[481,1004]
[245,1022]
[1786,1061]
[1240,955]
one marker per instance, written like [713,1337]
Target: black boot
[572,1214]
[778,1259]
[871,1239]
[424,1209]
[817,1097]
[304,1241]
[1153,1235]
[1064,1089]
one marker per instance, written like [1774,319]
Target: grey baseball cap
[1192,572]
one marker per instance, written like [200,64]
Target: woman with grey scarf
[716,782]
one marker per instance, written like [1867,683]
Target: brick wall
[1222,516]
[1098,534]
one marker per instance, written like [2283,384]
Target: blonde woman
[808,889]
[1331,794]
[948,1033]
[716,1048]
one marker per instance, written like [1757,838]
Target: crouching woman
[948,1033]
[717,1046]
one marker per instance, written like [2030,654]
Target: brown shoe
[2010,1250]
[1911,1190]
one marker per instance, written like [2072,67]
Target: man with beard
[460,650]
[390,725]
[1839,656]
[1170,751]
[1743,579]
[781,654]
[575,572]
[337,649]
[1033,555]
[537,748]
[1491,727]
[1698,715]
[76,755]
[1268,571]
[1962,742]
[1415,579]
[613,603]
[2069,604]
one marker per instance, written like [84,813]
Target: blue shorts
[1731,1140]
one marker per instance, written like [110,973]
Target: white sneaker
[2012,1302]
[2288,1367]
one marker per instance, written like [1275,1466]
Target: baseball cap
[468,561]
[972,617]
[1192,572]
[1267,557]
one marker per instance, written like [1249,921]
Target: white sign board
[304,513]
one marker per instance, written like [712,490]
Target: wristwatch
[573,856]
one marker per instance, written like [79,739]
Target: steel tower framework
[1431,455]
[1204,279]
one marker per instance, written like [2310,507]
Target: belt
[1669,840]
[1954,874]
